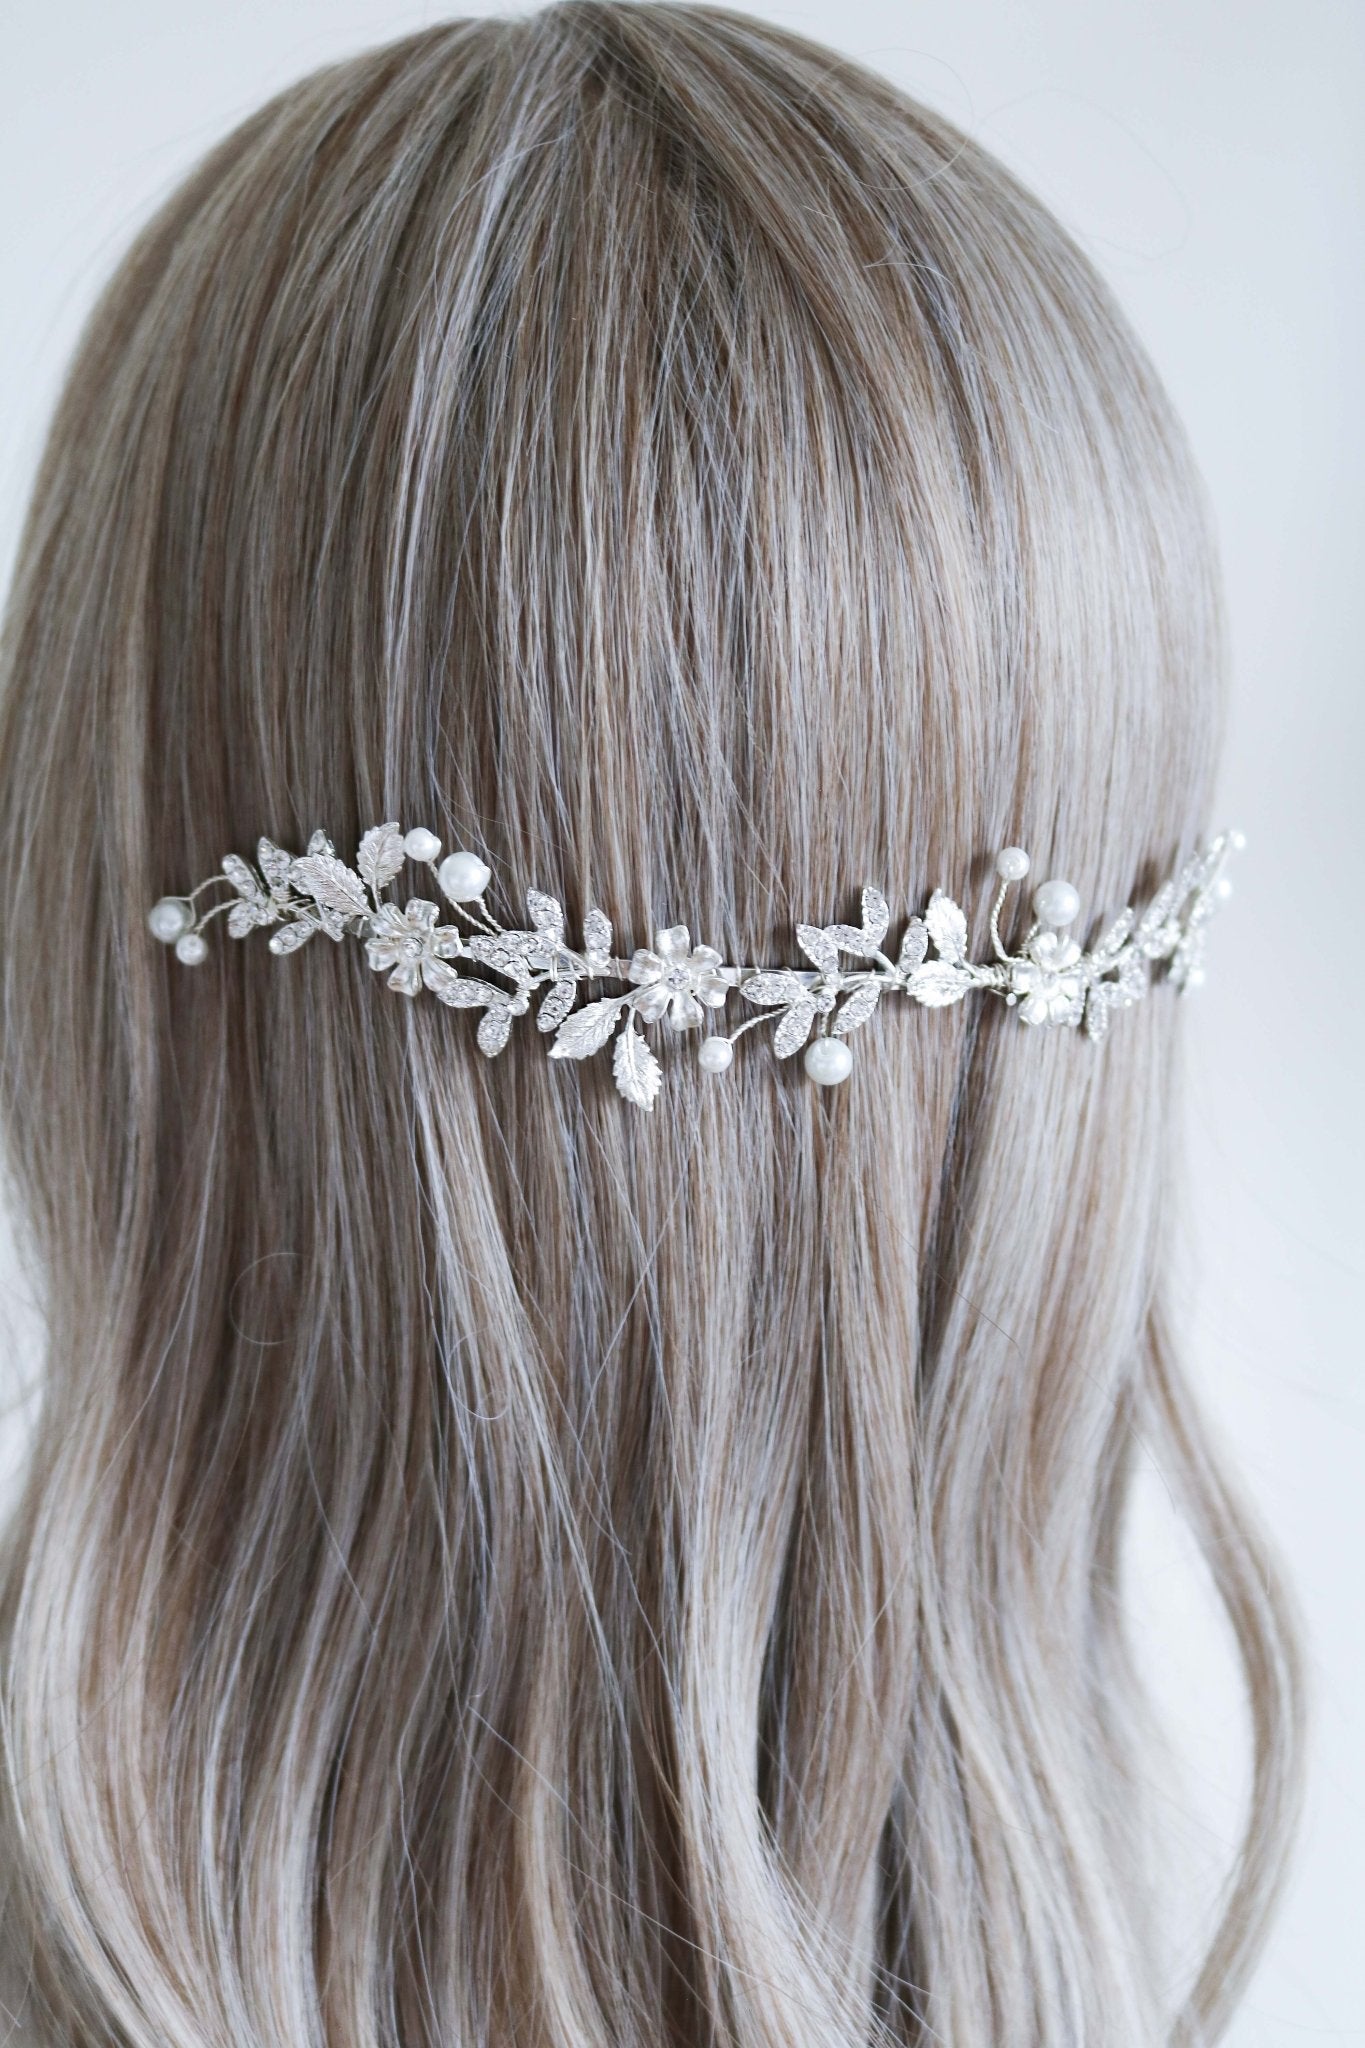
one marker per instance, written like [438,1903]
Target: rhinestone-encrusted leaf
[545,914]
[461,991]
[555,1005]
[772,989]
[792,1033]
[291,936]
[495,1026]
[857,1007]
[597,934]
[914,946]
[275,865]
[818,946]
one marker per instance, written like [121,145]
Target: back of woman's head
[498,1568]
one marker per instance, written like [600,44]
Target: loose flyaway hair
[497,1569]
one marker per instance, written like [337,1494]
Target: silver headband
[1049,980]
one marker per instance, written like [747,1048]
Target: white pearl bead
[167,919]
[1222,888]
[1012,863]
[715,1054]
[829,1061]
[1237,841]
[1056,903]
[463,877]
[419,844]
[191,949]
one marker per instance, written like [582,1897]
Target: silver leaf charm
[792,1033]
[938,983]
[857,1008]
[914,946]
[381,856]
[587,1030]
[773,989]
[817,945]
[638,1073]
[555,1005]
[495,1027]
[545,914]
[331,883]
[947,928]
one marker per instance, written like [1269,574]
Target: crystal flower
[1047,980]
[412,944]
[678,978]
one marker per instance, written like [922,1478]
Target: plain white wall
[1211,159]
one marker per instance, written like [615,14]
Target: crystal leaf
[495,1028]
[1150,930]
[1100,1004]
[587,1030]
[850,938]
[913,946]
[291,936]
[331,921]
[276,865]
[555,1005]
[876,916]
[381,855]
[638,1073]
[857,1008]
[242,877]
[320,843]
[819,946]
[331,883]
[792,1033]
[771,989]
[546,915]
[597,934]
[245,917]
[947,928]
[505,952]
[937,983]
[1107,949]
[461,991]
[1132,974]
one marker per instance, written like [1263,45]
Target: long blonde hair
[496,1568]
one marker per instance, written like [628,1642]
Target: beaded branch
[1049,980]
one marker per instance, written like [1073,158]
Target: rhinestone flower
[678,978]
[1047,980]
[412,944]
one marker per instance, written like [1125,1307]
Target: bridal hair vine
[1048,980]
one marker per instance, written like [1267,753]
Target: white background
[1210,158]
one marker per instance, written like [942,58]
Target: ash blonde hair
[496,1568]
